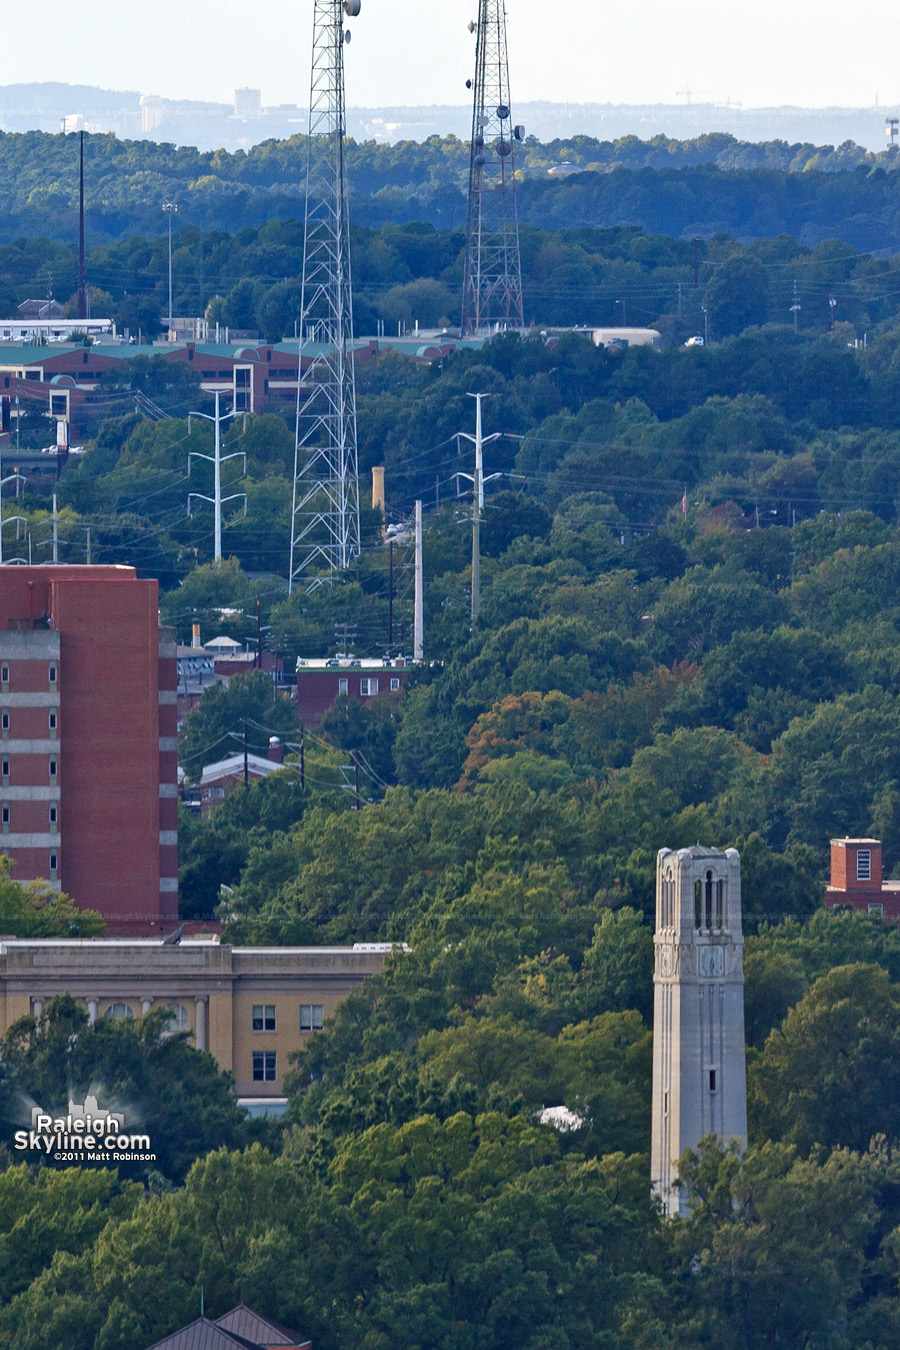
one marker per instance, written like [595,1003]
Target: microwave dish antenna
[492,285]
[325,527]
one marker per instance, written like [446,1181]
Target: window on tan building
[264,1017]
[312,1015]
[178,1018]
[264,1066]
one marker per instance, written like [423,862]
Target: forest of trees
[689,630]
[413,272]
[679,187]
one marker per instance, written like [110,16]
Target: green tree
[216,728]
[831,1074]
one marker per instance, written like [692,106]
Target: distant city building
[251,1008]
[320,683]
[247,103]
[88,755]
[857,879]
[699,1071]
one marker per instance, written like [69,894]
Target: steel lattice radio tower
[492,289]
[325,527]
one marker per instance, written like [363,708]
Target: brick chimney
[856,864]
[276,750]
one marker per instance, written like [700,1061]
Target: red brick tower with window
[89,796]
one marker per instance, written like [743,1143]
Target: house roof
[222,644]
[240,1329]
[261,1330]
[204,1335]
[234,764]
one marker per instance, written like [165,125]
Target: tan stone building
[250,1007]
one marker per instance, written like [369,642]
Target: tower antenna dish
[325,535]
[492,286]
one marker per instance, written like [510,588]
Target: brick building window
[876,911]
[4,816]
[343,685]
[54,815]
[54,865]
[864,865]
[4,721]
[312,1015]
[264,1017]
[4,674]
[53,674]
[53,770]
[368,688]
[395,683]
[264,1066]
[5,768]
[52,721]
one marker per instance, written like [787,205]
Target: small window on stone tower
[864,865]
[712,1080]
[698,904]
[709,899]
[720,904]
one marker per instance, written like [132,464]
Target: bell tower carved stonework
[699,1068]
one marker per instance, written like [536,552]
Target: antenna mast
[492,289]
[325,525]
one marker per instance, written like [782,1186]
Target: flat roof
[212,941]
[856,841]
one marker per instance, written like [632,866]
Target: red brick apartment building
[857,879]
[88,790]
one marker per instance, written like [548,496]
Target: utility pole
[82,293]
[795,306]
[419,626]
[705,326]
[391,598]
[55,531]
[696,243]
[325,529]
[479,441]
[10,478]
[246,757]
[679,299]
[356,777]
[217,460]
[492,286]
[302,757]
[170,208]
[88,545]
[258,636]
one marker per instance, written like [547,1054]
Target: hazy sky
[810,52]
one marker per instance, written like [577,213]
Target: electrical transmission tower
[492,289]
[325,526]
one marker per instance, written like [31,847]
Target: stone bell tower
[699,1071]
